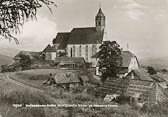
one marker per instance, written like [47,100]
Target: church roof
[79,36]
[85,36]
[62,40]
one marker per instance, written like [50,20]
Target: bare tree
[13,14]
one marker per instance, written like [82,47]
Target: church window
[73,51]
[93,50]
[80,50]
[86,52]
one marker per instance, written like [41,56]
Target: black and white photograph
[83,58]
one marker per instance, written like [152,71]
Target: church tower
[100,21]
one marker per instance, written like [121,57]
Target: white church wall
[82,50]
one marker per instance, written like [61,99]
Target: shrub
[164,70]
[8,68]
[151,70]
[122,99]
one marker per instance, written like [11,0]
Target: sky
[140,24]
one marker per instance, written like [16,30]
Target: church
[80,42]
[83,43]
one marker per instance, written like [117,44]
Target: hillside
[158,63]
[8,51]
[5,60]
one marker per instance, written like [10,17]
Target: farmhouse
[70,80]
[129,63]
[137,84]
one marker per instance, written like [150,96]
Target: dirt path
[8,79]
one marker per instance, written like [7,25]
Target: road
[6,77]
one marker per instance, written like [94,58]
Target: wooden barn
[70,80]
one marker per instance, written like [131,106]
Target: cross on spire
[99,4]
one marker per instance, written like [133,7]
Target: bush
[164,70]
[10,68]
[151,70]
[122,99]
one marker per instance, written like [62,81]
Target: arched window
[93,50]
[86,52]
[73,51]
[80,50]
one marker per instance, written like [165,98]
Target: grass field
[36,77]
[11,94]
[5,60]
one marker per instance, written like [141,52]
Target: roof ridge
[63,32]
[83,27]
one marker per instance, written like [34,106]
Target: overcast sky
[142,24]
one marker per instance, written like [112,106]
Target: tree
[13,14]
[110,59]
[25,62]
[151,70]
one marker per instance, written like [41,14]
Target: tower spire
[100,19]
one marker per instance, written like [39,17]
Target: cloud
[134,9]
[35,35]
[131,8]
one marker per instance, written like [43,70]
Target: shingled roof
[79,36]
[140,75]
[85,36]
[66,78]
[49,48]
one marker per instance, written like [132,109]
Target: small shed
[84,79]
[67,80]
[49,53]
